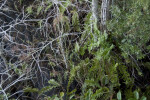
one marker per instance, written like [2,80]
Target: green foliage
[29,89]
[53,84]
[132,31]
[77,47]
[73,71]
[29,9]
[125,75]
[75,21]
[119,96]
[134,96]
[39,10]
[98,75]
[64,6]
[49,6]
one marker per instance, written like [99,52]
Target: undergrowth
[56,50]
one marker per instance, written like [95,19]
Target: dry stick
[3,4]
[3,91]
[14,82]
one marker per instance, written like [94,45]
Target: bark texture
[104,13]
[95,9]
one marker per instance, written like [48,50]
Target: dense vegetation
[74,50]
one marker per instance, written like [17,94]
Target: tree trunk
[95,10]
[104,13]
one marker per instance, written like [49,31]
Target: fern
[45,89]
[75,21]
[72,75]
[53,82]
[29,89]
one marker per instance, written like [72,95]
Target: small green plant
[134,96]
